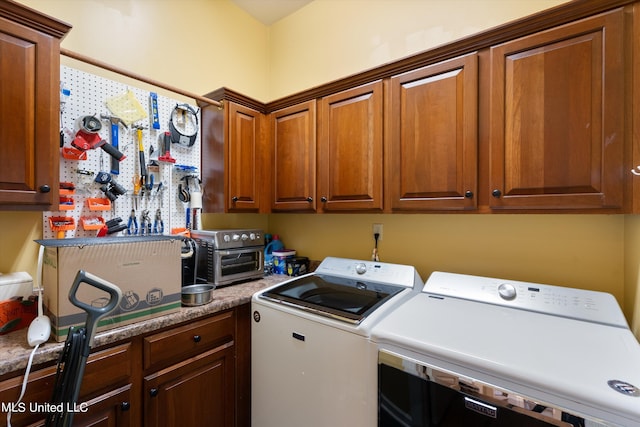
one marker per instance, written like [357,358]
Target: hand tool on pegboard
[144,174]
[132,225]
[153,106]
[115,125]
[165,139]
[88,138]
[112,226]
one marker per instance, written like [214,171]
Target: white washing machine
[312,362]
[472,351]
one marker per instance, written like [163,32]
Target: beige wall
[200,45]
[330,39]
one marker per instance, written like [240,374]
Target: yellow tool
[143,165]
[136,189]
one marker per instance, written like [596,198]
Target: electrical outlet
[377,228]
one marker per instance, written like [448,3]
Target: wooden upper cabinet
[432,143]
[557,117]
[246,158]
[29,107]
[350,136]
[234,156]
[293,144]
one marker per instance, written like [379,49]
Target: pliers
[145,225]
[158,224]
[132,226]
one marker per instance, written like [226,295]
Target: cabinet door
[293,131]
[350,149]
[556,119]
[29,117]
[246,158]
[109,409]
[198,391]
[431,150]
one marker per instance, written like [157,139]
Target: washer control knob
[361,268]
[507,291]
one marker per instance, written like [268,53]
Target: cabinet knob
[45,188]
[234,199]
[468,194]
[197,338]
[496,193]
[309,199]
[153,392]
[323,199]
[125,406]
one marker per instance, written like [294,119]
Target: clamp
[132,226]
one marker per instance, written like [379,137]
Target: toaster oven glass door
[234,265]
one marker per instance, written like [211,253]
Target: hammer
[115,122]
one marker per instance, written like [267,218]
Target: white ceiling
[270,11]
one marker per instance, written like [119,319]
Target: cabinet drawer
[173,345]
[108,368]
[105,370]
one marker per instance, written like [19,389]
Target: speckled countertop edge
[14,350]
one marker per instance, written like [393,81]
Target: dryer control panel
[580,304]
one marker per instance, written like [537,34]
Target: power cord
[38,333]
[24,385]
[374,255]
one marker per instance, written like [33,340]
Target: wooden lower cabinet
[190,373]
[107,396]
[109,409]
[193,374]
[198,391]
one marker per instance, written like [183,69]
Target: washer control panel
[381,272]
[581,304]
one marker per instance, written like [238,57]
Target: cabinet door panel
[350,149]
[294,158]
[245,158]
[199,391]
[29,114]
[557,131]
[432,144]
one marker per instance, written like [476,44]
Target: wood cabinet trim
[33,19]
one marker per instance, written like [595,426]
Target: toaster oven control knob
[507,291]
[252,236]
[236,237]
[361,268]
[244,237]
[226,238]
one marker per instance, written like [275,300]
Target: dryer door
[415,395]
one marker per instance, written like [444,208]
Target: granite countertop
[14,350]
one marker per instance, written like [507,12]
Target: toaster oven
[225,257]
